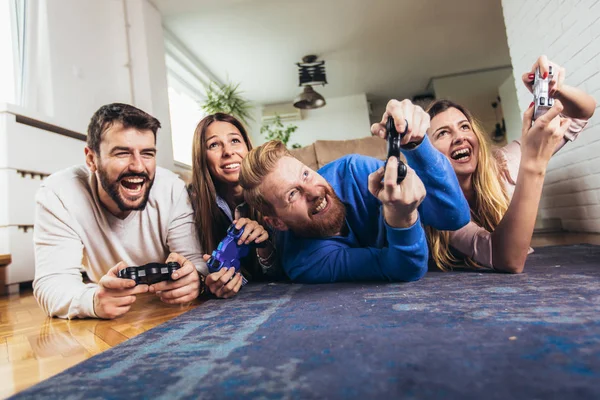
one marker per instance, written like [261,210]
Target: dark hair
[125,114]
[211,223]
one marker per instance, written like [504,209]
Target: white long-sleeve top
[74,230]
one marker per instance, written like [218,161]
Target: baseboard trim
[548,225]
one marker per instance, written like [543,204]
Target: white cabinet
[17,196]
[18,242]
[30,150]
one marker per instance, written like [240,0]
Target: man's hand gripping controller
[393,141]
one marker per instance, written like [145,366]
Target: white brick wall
[568,32]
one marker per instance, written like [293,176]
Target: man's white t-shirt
[74,230]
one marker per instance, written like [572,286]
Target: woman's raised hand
[253,231]
[539,141]
[555,83]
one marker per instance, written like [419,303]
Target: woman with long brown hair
[220,144]
[502,186]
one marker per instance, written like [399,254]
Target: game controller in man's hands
[542,101]
[150,273]
[393,141]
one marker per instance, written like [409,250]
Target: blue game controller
[228,253]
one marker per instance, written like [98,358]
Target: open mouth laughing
[232,167]
[321,205]
[461,155]
[133,186]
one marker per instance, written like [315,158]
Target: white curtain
[36,82]
[9,49]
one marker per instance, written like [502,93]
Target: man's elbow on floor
[412,274]
[49,309]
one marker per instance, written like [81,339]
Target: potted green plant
[276,130]
[226,98]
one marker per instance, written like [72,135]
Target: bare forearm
[577,103]
[512,237]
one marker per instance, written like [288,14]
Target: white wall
[79,58]
[87,59]
[342,118]
[254,125]
[149,71]
[475,91]
[510,109]
[569,34]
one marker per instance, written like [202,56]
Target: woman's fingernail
[531,76]
[531,105]
[176,275]
[545,75]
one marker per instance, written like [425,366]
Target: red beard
[321,226]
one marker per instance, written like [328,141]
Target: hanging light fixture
[309,99]
[310,72]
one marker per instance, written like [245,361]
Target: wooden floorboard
[34,347]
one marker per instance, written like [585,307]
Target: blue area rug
[465,335]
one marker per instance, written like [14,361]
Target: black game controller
[150,273]
[393,141]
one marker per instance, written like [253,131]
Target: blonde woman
[503,187]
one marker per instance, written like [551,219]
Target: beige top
[474,241]
[73,230]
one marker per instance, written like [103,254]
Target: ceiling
[386,49]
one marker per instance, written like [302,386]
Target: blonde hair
[257,164]
[491,198]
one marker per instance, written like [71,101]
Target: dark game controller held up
[393,141]
[150,273]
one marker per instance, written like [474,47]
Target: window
[8,49]
[187,79]
[185,115]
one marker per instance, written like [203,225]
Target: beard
[322,226]
[112,188]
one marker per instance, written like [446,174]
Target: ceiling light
[309,99]
[310,72]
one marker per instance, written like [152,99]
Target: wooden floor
[34,347]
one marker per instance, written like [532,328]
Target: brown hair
[491,199]
[211,223]
[259,163]
[129,116]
